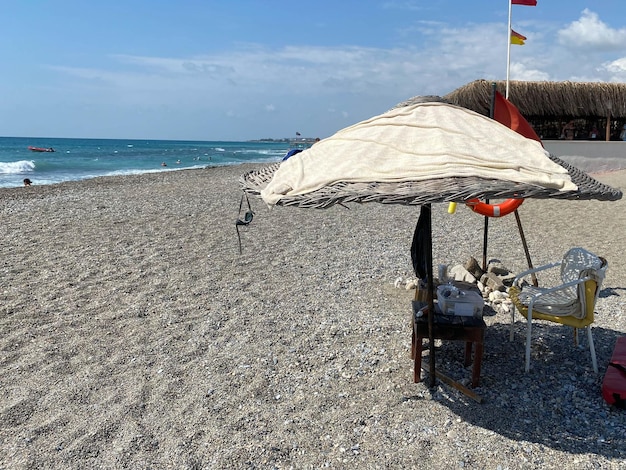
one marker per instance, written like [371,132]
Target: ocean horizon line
[139,139]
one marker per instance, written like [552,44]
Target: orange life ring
[494,210]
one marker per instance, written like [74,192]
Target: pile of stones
[492,283]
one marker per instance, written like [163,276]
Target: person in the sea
[27,182]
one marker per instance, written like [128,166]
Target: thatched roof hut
[567,100]
[548,106]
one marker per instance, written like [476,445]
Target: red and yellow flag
[517,38]
[530,3]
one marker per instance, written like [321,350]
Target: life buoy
[494,210]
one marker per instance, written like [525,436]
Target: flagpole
[508,51]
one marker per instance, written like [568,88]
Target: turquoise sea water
[77,159]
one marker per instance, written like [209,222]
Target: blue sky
[248,69]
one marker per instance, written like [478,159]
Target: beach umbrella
[421,152]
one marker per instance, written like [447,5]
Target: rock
[508,279]
[459,273]
[474,268]
[492,281]
[495,266]
[497,296]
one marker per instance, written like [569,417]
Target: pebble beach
[133,334]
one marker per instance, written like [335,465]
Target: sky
[239,70]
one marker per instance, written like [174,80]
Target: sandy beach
[134,335]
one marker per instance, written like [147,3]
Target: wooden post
[609,107]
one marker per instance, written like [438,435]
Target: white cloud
[616,70]
[617,66]
[520,71]
[589,32]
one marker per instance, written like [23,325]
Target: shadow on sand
[558,403]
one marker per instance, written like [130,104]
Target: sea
[80,159]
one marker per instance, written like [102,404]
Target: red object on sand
[614,383]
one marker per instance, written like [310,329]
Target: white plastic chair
[571,303]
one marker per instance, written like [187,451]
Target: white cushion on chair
[560,303]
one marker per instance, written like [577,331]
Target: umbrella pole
[431,302]
[525,245]
[492,107]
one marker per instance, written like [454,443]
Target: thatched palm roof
[547,99]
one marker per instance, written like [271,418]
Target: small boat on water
[40,149]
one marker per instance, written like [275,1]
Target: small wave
[268,152]
[22,166]
[151,170]
[219,149]
[261,152]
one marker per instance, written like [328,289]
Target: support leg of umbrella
[485,238]
[525,245]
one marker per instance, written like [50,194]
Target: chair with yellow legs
[571,303]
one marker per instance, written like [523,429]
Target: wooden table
[448,327]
